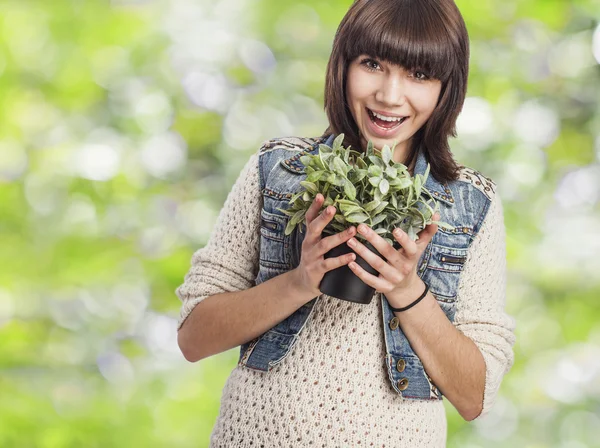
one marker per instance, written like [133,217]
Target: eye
[369,63]
[421,76]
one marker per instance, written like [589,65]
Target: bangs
[411,34]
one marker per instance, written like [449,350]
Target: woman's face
[389,90]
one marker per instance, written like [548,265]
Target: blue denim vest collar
[439,266]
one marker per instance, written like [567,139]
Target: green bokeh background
[124,125]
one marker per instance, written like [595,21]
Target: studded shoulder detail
[290,143]
[484,184]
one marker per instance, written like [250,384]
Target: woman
[315,370]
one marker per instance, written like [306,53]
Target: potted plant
[367,188]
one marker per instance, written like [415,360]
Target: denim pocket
[443,271]
[274,244]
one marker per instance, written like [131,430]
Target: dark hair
[429,35]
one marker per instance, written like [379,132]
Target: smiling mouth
[383,124]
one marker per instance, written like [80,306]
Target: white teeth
[381,117]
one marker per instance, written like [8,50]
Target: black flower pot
[342,283]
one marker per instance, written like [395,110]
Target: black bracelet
[414,303]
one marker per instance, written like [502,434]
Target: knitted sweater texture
[332,390]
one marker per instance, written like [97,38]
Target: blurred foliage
[125,123]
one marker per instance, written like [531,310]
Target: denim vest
[463,204]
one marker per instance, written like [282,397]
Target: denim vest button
[403,384]
[400,365]
[394,322]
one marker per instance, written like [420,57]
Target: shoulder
[290,143]
[474,179]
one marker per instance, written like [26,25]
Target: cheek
[427,100]
[357,86]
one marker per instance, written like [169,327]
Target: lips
[373,117]
[381,131]
[385,114]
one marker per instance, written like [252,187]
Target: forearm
[451,359]
[223,321]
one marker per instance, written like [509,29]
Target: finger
[328,243]
[318,224]
[379,283]
[330,264]
[410,247]
[374,260]
[382,246]
[313,210]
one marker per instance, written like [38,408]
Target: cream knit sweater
[332,390]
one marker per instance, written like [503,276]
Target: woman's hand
[398,278]
[313,265]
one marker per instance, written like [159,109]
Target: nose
[392,91]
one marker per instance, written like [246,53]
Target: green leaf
[315,176]
[377,161]
[340,180]
[358,175]
[310,186]
[327,155]
[384,186]
[374,181]
[444,225]
[380,208]
[289,228]
[380,230]
[402,169]
[431,210]
[350,190]
[421,217]
[299,216]
[349,209]
[286,212]
[378,195]
[346,157]
[296,196]
[319,163]
[375,171]
[371,205]
[401,182]
[340,218]
[418,185]
[361,163]
[392,172]
[411,233]
[306,159]
[337,143]
[386,154]
[394,201]
[357,217]
[379,218]
[339,166]
[426,174]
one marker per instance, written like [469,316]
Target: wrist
[404,297]
[301,292]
